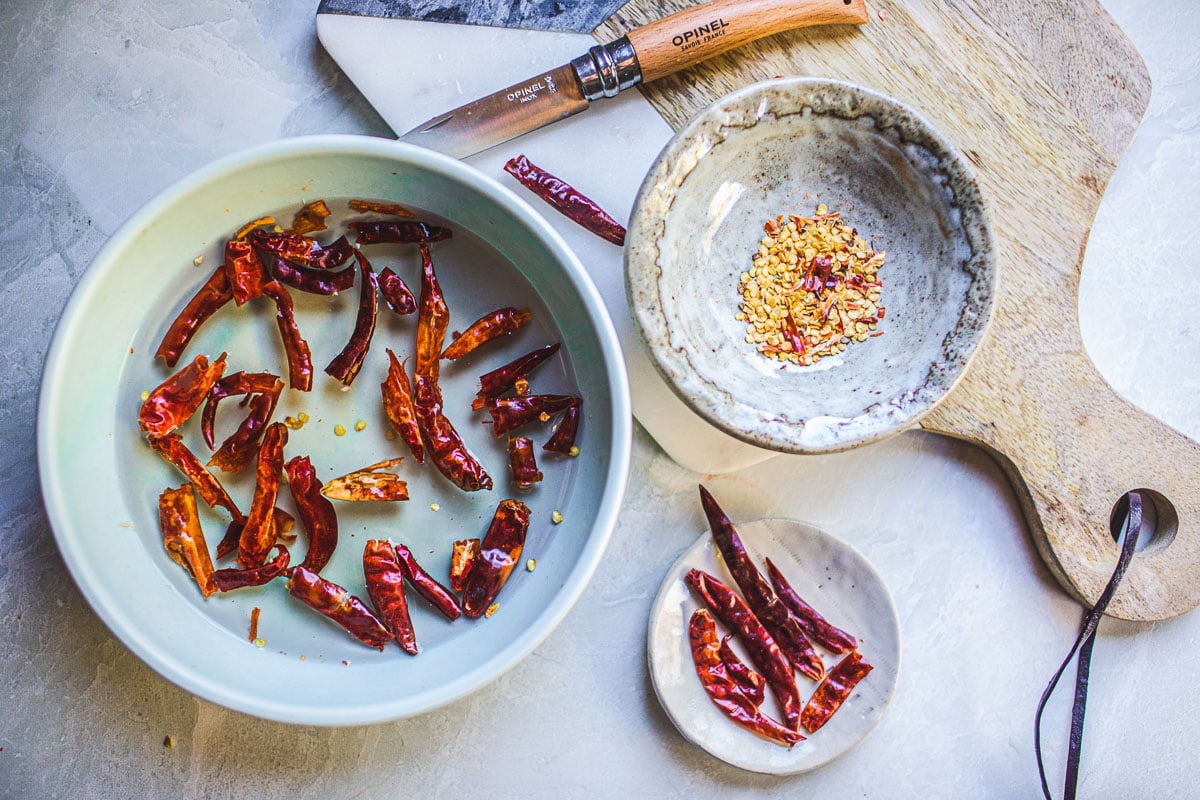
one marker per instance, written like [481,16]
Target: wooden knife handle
[690,36]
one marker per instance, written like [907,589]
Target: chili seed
[339,430]
[491,610]
[556,516]
[531,564]
[361,425]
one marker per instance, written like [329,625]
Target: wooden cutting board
[1042,96]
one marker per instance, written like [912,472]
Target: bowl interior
[101,482]
[783,147]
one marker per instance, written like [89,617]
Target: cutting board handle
[690,36]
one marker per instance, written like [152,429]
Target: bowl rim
[642,273]
[145,644]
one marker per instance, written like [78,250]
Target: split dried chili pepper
[396,293]
[817,627]
[566,199]
[398,405]
[258,533]
[753,683]
[427,586]
[385,587]
[346,364]
[522,463]
[380,207]
[310,218]
[183,537]
[240,447]
[764,652]
[304,250]
[247,274]
[299,357]
[398,232]
[564,436]
[307,280]
[238,383]
[502,379]
[510,413]
[368,484]
[761,598]
[446,448]
[229,579]
[433,318]
[727,692]
[832,692]
[211,296]
[173,401]
[462,559]
[316,512]
[338,605]
[500,322]
[174,451]
[499,552]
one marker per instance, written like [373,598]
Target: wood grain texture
[1042,98]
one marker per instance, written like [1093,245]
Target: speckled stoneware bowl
[782,147]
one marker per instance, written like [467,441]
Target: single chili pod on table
[522,463]
[316,512]
[446,448]
[502,379]
[398,232]
[172,402]
[510,413]
[566,199]
[764,652]
[211,296]
[726,692]
[346,364]
[816,626]
[396,293]
[299,357]
[462,558]
[500,322]
[433,319]
[398,405]
[175,452]
[258,534]
[339,605]
[564,436]
[310,280]
[832,692]
[183,537]
[368,484]
[310,218]
[426,585]
[499,552]
[385,587]
[761,598]
[227,580]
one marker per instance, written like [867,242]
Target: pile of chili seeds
[812,290]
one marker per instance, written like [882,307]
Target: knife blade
[646,53]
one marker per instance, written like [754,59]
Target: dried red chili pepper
[510,413]
[247,275]
[173,450]
[310,218]
[258,533]
[304,249]
[753,683]
[500,322]
[522,463]
[311,281]
[385,587]
[462,559]
[173,401]
[299,357]
[726,692]
[761,598]
[183,537]
[563,439]
[338,605]
[427,586]
[396,293]
[238,383]
[346,364]
[398,405]
[227,580]
[834,690]
[500,380]
[378,206]
[566,199]
[316,512]
[215,293]
[446,448]
[499,552]
[368,484]
[817,627]
[433,318]
[240,447]
[764,652]
[398,232]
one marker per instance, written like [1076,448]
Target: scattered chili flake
[168,742]
[254,612]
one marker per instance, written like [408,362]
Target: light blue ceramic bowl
[101,482]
